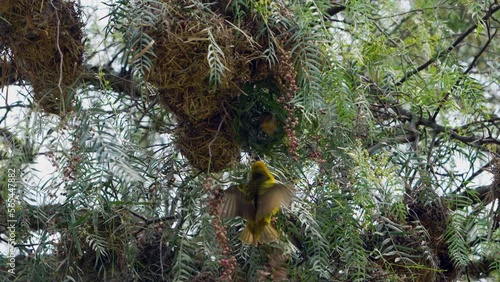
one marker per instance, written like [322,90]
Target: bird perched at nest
[257,201]
[268,123]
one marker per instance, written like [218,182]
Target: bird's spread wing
[277,196]
[237,203]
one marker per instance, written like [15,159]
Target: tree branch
[473,140]
[495,7]
[474,175]
[119,82]
[476,195]
[8,73]
[469,68]
[154,220]
[392,141]
[453,133]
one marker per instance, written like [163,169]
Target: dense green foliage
[396,158]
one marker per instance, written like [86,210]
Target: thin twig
[469,68]
[59,83]
[215,137]
[474,175]
[494,8]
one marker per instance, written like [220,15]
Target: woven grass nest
[192,45]
[185,39]
[184,42]
[46,41]
[209,146]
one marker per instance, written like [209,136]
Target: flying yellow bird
[257,202]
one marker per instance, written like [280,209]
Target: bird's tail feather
[246,236]
[269,234]
[255,234]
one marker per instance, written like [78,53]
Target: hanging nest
[196,66]
[45,38]
[201,60]
[193,106]
[181,49]
[154,256]
[209,146]
[433,216]
[204,59]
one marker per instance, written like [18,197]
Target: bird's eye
[258,175]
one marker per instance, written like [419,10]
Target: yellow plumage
[257,202]
[268,123]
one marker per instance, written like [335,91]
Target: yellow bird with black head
[257,202]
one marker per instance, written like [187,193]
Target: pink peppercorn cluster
[289,88]
[73,162]
[228,261]
[315,153]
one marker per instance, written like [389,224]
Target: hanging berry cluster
[317,154]
[74,161]
[288,86]
[228,261]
